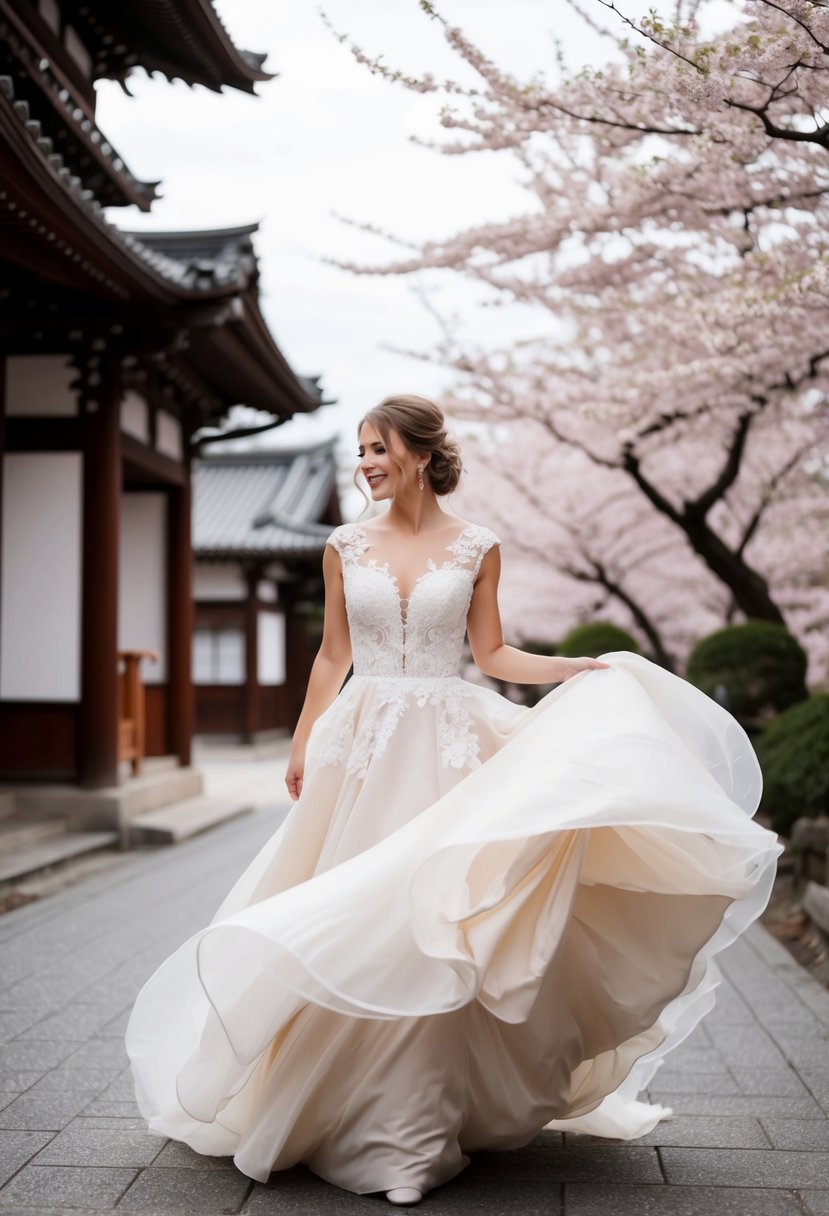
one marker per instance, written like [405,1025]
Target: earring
[420,476]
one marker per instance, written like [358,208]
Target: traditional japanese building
[260,523]
[115,349]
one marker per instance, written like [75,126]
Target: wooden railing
[131,723]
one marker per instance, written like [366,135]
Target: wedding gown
[477,918]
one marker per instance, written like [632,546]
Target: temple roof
[264,503]
[184,39]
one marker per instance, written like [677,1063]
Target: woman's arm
[486,638]
[328,671]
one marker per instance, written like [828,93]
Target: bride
[477,919]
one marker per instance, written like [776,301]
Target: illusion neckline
[433,568]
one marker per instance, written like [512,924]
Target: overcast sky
[326,138]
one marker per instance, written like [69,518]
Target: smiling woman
[478,917]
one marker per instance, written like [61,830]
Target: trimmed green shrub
[761,666]
[595,638]
[794,755]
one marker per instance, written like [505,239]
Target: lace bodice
[421,635]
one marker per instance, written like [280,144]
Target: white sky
[326,137]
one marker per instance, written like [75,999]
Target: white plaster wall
[218,581]
[40,612]
[270,655]
[135,416]
[142,580]
[219,656]
[168,435]
[266,591]
[38,385]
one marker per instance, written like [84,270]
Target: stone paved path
[750,1088]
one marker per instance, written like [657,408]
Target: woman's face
[382,473]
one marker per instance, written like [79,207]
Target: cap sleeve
[485,540]
[349,540]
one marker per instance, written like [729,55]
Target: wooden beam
[251,724]
[98,760]
[161,467]
[44,434]
[180,622]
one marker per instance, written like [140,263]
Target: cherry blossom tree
[673,263]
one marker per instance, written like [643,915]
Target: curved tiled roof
[183,39]
[263,503]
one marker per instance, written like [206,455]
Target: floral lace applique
[355,747]
[349,540]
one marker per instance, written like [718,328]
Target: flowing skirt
[477,919]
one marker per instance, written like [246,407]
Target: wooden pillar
[251,723]
[294,682]
[98,737]
[2,458]
[180,622]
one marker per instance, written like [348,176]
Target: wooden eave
[50,226]
[63,106]
[184,39]
[247,367]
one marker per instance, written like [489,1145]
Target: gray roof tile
[263,503]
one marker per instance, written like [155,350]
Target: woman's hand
[294,774]
[572,667]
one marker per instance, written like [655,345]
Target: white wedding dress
[477,919]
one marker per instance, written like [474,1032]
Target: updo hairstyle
[422,427]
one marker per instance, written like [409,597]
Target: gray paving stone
[64,1187]
[610,1162]
[733,1167]
[99,1053]
[774,1082]
[116,1027]
[16,1148]
[78,1022]
[136,1123]
[804,1134]
[817,1202]
[698,1131]
[47,1112]
[587,1199]
[121,1088]
[20,1079]
[113,1110]
[298,1193]
[6,1098]
[185,1191]
[701,1059]
[740,1106]
[807,1052]
[715,1084]
[98,1146]
[20,1054]
[93,1080]
[177,1156]
[14,1021]
[749,1045]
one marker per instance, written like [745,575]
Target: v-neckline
[383,568]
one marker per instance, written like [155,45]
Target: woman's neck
[412,516]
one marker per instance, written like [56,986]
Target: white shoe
[404,1196]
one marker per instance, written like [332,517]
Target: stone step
[52,852]
[8,804]
[150,766]
[187,818]
[112,807]
[20,833]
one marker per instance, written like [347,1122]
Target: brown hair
[422,427]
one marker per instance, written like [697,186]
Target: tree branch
[702,504]
[768,497]
[820,136]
